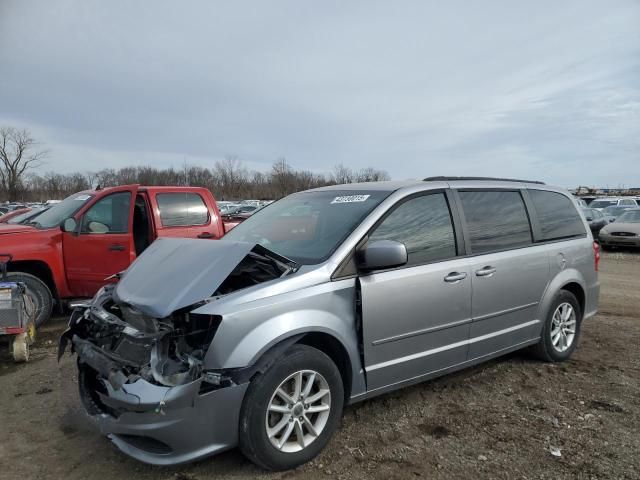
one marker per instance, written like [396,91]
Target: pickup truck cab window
[182,209]
[108,215]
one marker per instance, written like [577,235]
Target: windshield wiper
[33,224]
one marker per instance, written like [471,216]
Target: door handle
[485,272]
[206,235]
[116,248]
[454,277]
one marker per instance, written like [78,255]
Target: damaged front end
[124,345]
[141,355]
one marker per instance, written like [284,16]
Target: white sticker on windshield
[82,198]
[350,199]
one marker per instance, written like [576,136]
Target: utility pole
[186,171]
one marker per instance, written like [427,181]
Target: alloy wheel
[298,411]
[563,327]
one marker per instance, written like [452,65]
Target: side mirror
[69,225]
[382,254]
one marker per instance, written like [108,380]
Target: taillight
[596,254]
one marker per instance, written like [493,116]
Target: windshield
[54,216]
[25,216]
[602,203]
[630,216]
[307,227]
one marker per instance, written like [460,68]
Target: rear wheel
[561,329]
[291,411]
[38,293]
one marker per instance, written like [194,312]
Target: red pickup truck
[69,250]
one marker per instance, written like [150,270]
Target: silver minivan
[325,298]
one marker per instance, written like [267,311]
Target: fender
[44,246]
[564,277]
[244,336]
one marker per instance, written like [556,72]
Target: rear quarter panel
[578,267]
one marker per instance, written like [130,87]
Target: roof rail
[451,179]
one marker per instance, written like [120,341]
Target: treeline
[228,179]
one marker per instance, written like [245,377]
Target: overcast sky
[542,90]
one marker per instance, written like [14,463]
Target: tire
[255,417]
[39,293]
[558,326]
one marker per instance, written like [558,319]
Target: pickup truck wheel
[39,294]
[290,412]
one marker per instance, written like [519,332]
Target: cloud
[543,90]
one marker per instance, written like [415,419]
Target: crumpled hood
[174,273]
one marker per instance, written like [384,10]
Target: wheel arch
[578,291]
[570,280]
[320,330]
[38,269]
[335,350]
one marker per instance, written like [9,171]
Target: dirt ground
[499,420]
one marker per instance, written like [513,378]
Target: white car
[602,203]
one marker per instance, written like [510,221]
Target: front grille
[623,234]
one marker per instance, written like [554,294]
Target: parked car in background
[581,203]
[602,203]
[228,207]
[16,206]
[234,216]
[26,217]
[595,219]
[14,213]
[613,212]
[3,210]
[67,251]
[327,297]
[624,232]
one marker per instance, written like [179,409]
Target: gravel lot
[499,420]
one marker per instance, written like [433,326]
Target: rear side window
[557,215]
[496,220]
[424,225]
[182,209]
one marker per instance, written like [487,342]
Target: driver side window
[425,227]
[108,215]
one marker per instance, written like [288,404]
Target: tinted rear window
[496,220]
[182,209]
[557,215]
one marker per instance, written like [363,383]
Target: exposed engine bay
[123,343]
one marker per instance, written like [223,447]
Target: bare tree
[371,175]
[17,156]
[342,174]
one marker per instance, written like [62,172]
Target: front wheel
[38,293]
[290,412]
